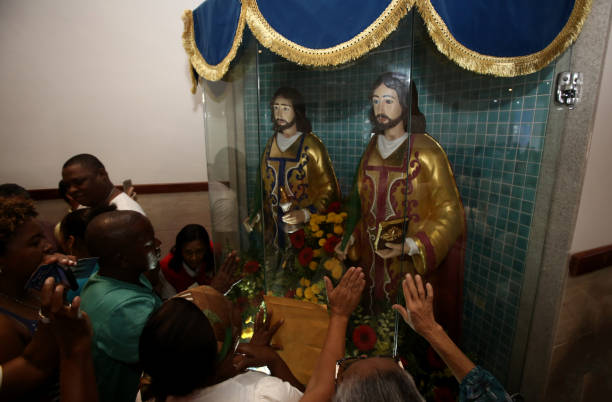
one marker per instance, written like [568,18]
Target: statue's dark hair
[299,107]
[408,98]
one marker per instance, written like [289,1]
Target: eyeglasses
[343,364]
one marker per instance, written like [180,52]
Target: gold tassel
[209,72]
[502,66]
[352,49]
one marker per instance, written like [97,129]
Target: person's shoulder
[268,387]
[124,202]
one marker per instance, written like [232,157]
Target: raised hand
[343,299]
[418,312]
[68,323]
[226,276]
[263,331]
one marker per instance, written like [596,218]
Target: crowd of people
[112,310]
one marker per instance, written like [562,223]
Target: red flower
[305,256]
[443,394]
[290,293]
[364,337]
[297,239]
[334,207]
[251,267]
[330,244]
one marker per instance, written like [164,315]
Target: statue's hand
[294,217]
[392,250]
[341,252]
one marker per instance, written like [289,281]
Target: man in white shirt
[88,183]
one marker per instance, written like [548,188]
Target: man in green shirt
[119,299]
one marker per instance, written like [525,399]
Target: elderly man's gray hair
[381,385]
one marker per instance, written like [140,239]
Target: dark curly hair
[14,212]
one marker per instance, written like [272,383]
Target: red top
[180,279]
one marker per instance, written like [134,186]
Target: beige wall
[168,213]
[109,78]
[594,222]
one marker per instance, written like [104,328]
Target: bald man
[119,298]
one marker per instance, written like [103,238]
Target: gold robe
[305,171]
[422,190]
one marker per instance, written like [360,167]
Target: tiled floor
[581,366]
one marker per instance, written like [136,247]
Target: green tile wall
[493,130]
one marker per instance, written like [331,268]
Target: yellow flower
[330,264]
[338,229]
[336,272]
[299,292]
[315,289]
[306,282]
[313,265]
[308,293]
[319,234]
[247,333]
[314,227]
[322,242]
[331,216]
[316,219]
[343,215]
[317,252]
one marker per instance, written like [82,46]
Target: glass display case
[450,196]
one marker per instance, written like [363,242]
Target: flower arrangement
[311,256]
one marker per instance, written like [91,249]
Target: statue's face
[386,105]
[284,115]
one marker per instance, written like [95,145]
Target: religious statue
[405,212]
[296,175]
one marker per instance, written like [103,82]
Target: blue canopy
[490,37]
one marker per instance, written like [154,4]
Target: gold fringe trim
[356,47]
[208,71]
[502,66]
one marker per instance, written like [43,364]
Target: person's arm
[418,313]
[342,302]
[475,383]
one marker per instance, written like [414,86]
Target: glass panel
[493,132]
[337,103]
